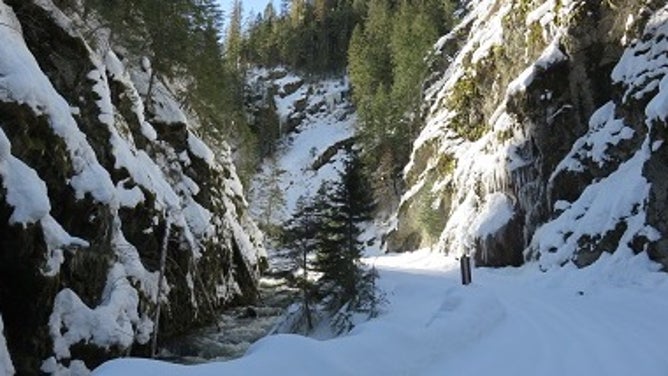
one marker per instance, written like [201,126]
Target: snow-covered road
[608,319]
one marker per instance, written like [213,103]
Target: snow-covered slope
[543,134]
[6,367]
[94,187]
[313,117]
[508,322]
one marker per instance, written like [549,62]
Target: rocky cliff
[94,188]
[543,138]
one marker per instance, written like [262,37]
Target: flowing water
[237,327]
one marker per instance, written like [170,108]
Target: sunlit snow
[602,320]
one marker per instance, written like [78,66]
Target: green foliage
[430,217]
[337,256]
[311,36]
[182,39]
[328,228]
[445,166]
[388,60]
[465,99]
[153,28]
[270,198]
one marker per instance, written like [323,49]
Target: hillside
[544,131]
[528,134]
[96,190]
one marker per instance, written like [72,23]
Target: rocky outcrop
[305,144]
[94,188]
[280,101]
[543,137]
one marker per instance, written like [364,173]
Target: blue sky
[251,7]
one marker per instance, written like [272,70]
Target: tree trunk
[307,307]
[163,259]
[149,92]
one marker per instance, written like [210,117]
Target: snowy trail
[508,322]
[560,332]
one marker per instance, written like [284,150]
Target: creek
[236,329]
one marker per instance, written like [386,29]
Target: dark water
[237,328]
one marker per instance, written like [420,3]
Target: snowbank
[568,322]
[6,367]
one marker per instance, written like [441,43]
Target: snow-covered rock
[545,142]
[92,186]
[315,123]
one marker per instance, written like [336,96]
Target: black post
[465,264]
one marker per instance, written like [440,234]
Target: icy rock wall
[544,135]
[93,185]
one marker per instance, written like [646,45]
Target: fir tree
[348,204]
[300,235]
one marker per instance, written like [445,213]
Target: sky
[251,7]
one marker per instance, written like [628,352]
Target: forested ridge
[382,44]
[150,76]
[169,158]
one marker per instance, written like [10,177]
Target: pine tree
[347,206]
[233,37]
[387,65]
[300,235]
[271,198]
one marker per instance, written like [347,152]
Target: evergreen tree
[300,235]
[233,36]
[339,250]
[312,36]
[271,198]
[324,237]
[387,65]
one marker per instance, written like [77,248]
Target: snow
[491,36]
[297,151]
[129,262]
[597,212]
[198,218]
[550,56]
[28,195]
[23,82]
[143,169]
[26,192]
[6,366]
[113,323]
[657,108]
[644,65]
[53,368]
[118,318]
[200,149]
[117,72]
[497,212]
[57,240]
[165,106]
[605,131]
[599,320]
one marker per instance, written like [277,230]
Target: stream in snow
[237,327]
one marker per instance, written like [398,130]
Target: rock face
[544,134]
[94,188]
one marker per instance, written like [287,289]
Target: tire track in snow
[592,334]
[553,330]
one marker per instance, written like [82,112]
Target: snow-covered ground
[608,319]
